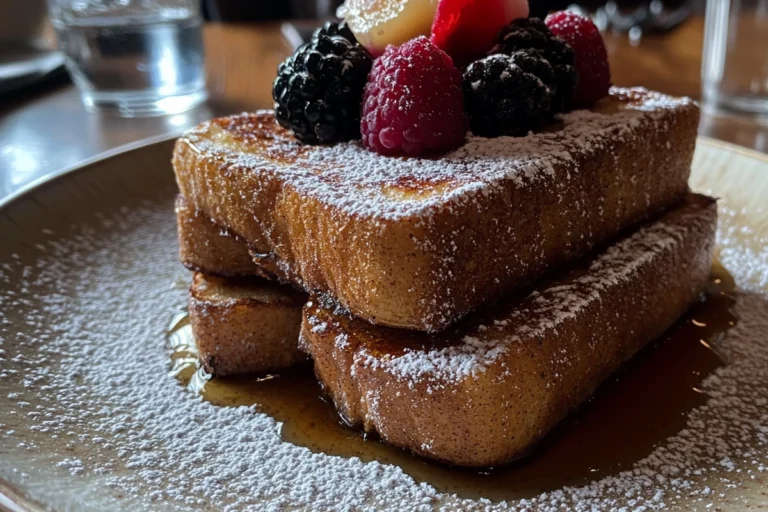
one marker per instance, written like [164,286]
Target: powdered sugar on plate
[743,246]
[91,419]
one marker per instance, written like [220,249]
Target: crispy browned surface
[244,325]
[436,258]
[241,324]
[209,248]
[417,390]
[269,268]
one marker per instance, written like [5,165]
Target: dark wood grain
[241,62]
[669,63]
[242,59]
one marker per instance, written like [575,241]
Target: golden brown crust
[481,393]
[208,248]
[245,325]
[420,251]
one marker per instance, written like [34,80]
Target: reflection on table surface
[45,132]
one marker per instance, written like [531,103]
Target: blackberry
[318,90]
[508,94]
[533,33]
[331,29]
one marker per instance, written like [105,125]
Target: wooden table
[242,59]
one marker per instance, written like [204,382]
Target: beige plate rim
[51,178]
[13,499]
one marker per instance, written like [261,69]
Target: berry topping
[591,57]
[379,23]
[319,89]
[413,101]
[331,29]
[508,94]
[532,33]
[466,29]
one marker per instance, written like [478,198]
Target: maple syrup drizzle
[646,402]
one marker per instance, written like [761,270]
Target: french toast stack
[458,294]
[461,306]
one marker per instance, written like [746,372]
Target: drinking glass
[134,57]
[735,60]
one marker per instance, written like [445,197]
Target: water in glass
[136,61]
[735,57]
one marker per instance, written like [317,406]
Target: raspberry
[591,57]
[413,101]
[509,94]
[465,29]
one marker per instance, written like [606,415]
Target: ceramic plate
[91,419]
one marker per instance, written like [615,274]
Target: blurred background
[81,77]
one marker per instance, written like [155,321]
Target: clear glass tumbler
[735,60]
[133,57]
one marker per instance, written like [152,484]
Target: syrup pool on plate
[646,402]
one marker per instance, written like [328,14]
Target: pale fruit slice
[379,23]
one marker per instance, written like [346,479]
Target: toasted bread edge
[509,406]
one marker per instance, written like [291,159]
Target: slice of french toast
[245,325]
[241,324]
[418,243]
[208,248]
[484,391]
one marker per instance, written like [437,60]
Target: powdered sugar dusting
[480,165]
[88,404]
[450,364]
[743,246]
[85,347]
[545,310]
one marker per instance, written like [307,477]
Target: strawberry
[466,29]
[591,58]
